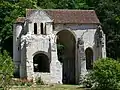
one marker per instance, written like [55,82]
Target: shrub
[21,82]
[39,81]
[106,74]
[86,81]
[6,69]
[60,52]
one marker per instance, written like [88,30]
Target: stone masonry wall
[43,44]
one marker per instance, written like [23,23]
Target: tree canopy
[108,12]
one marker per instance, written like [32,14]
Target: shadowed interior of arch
[89,58]
[67,55]
[41,63]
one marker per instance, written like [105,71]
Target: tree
[71,4]
[46,4]
[6,70]
[108,12]
[10,10]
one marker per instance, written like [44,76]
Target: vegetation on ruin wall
[60,52]
[108,12]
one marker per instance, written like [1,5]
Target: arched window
[35,28]
[89,58]
[41,63]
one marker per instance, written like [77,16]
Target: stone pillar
[18,27]
[30,27]
[23,58]
[55,66]
[49,28]
[104,47]
[81,58]
[24,63]
[29,61]
[100,42]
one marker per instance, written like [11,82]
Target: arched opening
[41,63]
[89,58]
[66,55]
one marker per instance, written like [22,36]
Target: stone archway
[41,63]
[89,58]
[66,39]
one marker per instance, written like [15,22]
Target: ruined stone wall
[87,34]
[31,44]
[43,44]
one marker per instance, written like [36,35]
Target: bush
[60,52]
[39,81]
[6,69]
[105,74]
[87,82]
[21,82]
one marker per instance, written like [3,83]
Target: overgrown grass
[49,87]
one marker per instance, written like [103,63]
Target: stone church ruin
[35,40]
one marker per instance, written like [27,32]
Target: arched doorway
[66,55]
[89,58]
[41,63]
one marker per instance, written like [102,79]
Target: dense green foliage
[105,74]
[108,12]
[10,10]
[60,52]
[6,69]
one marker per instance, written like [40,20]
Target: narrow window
[41,28]
[89,58]
[35,28]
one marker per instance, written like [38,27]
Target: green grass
[48,87]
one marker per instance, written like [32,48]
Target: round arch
[43,52]
[66,47]
[41,62]
[89,58]
[67,30]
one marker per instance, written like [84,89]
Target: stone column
[23,59]
[30,27]
[100,42]
[81,59]
[29,60]
[55,66]
[18,27]
[104,47]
